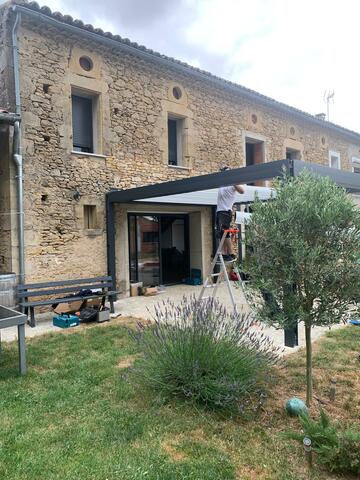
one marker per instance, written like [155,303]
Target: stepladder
[216,278]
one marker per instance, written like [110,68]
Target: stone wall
[134,101]
[7,99]
[5,210]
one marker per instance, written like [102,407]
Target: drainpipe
[17,155]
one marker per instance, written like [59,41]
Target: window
[254,154]
[334,160]
[86,63]
[356,169]
[254,151]
[292,154]
[84,121]
[90,221]
[175,141]
[177,93]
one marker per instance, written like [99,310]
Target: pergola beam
[348,180]
[264,171]
[253,173]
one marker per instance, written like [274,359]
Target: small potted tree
[306,244]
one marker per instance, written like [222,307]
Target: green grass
[76,416]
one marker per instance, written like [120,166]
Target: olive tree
[305,245]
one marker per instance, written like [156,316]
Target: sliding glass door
[144,249]
[158,248]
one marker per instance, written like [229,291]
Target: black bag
[88,314]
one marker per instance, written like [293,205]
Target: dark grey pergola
[264,171]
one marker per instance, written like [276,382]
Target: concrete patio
[143,308]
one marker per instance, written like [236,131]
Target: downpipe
[18,161]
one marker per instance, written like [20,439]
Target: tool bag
[88,314]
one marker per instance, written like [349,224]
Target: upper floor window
[334,160]
[254,151]
[84,121]
[175,141]
[292,154]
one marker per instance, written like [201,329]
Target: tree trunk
[308,365]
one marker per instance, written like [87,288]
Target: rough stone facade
[134,98]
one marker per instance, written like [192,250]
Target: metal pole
[22,348]
[110,233]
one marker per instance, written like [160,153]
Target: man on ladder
[224,252]
[225,203]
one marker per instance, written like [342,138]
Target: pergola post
[110,235]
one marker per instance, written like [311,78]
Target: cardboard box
[149,291]
[68,307]
[134,289]
[94,302]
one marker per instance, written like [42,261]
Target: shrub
[337,450]
[304,265]
[199,351]
[321,432]
[345,458]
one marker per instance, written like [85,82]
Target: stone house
[99,112]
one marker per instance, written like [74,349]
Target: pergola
[186,191]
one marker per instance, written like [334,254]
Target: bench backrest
[64,286]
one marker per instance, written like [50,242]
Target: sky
[295,52]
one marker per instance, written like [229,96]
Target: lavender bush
[201,352]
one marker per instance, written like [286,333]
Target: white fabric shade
[209,197]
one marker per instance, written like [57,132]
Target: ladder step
[210,286]
[216,274]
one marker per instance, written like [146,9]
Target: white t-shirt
[226,198]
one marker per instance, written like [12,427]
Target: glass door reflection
[148,258]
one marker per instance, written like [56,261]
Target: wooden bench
[56,291]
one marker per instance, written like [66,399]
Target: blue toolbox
[65,320]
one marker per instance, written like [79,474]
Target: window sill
[179,167]
[93,232]
[85,154]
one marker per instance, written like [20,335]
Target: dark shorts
[223,222]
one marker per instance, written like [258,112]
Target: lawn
[77,416]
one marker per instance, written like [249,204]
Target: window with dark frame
[172,142]
[254,155]
[90,217]
[292,154]
[82,122]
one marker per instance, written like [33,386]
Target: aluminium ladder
[214,279]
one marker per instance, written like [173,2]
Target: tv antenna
[328,97]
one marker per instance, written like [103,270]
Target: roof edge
[66,21]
